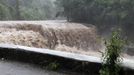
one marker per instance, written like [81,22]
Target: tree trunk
[18,16]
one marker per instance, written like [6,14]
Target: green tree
[26,9]
[18,13]
[111,58]
[99,11]
[4,12]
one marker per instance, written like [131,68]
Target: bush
[111,57]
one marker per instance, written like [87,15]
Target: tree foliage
[26,9]
[111,58]
[4,14]
[99,11]
[105,14]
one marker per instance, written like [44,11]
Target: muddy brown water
[56,35]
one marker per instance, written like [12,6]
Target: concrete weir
[127,63]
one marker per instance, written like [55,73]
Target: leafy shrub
[111,57]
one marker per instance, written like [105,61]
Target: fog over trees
[26,9]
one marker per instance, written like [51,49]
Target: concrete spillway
[127,63]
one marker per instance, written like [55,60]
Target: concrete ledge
[127,63]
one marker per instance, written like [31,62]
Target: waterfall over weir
[56,35]
[33,40]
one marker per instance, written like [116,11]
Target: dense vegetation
[111,57]
[99,11]
[26,9]
[105,14]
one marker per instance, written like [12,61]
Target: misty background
[106,15]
